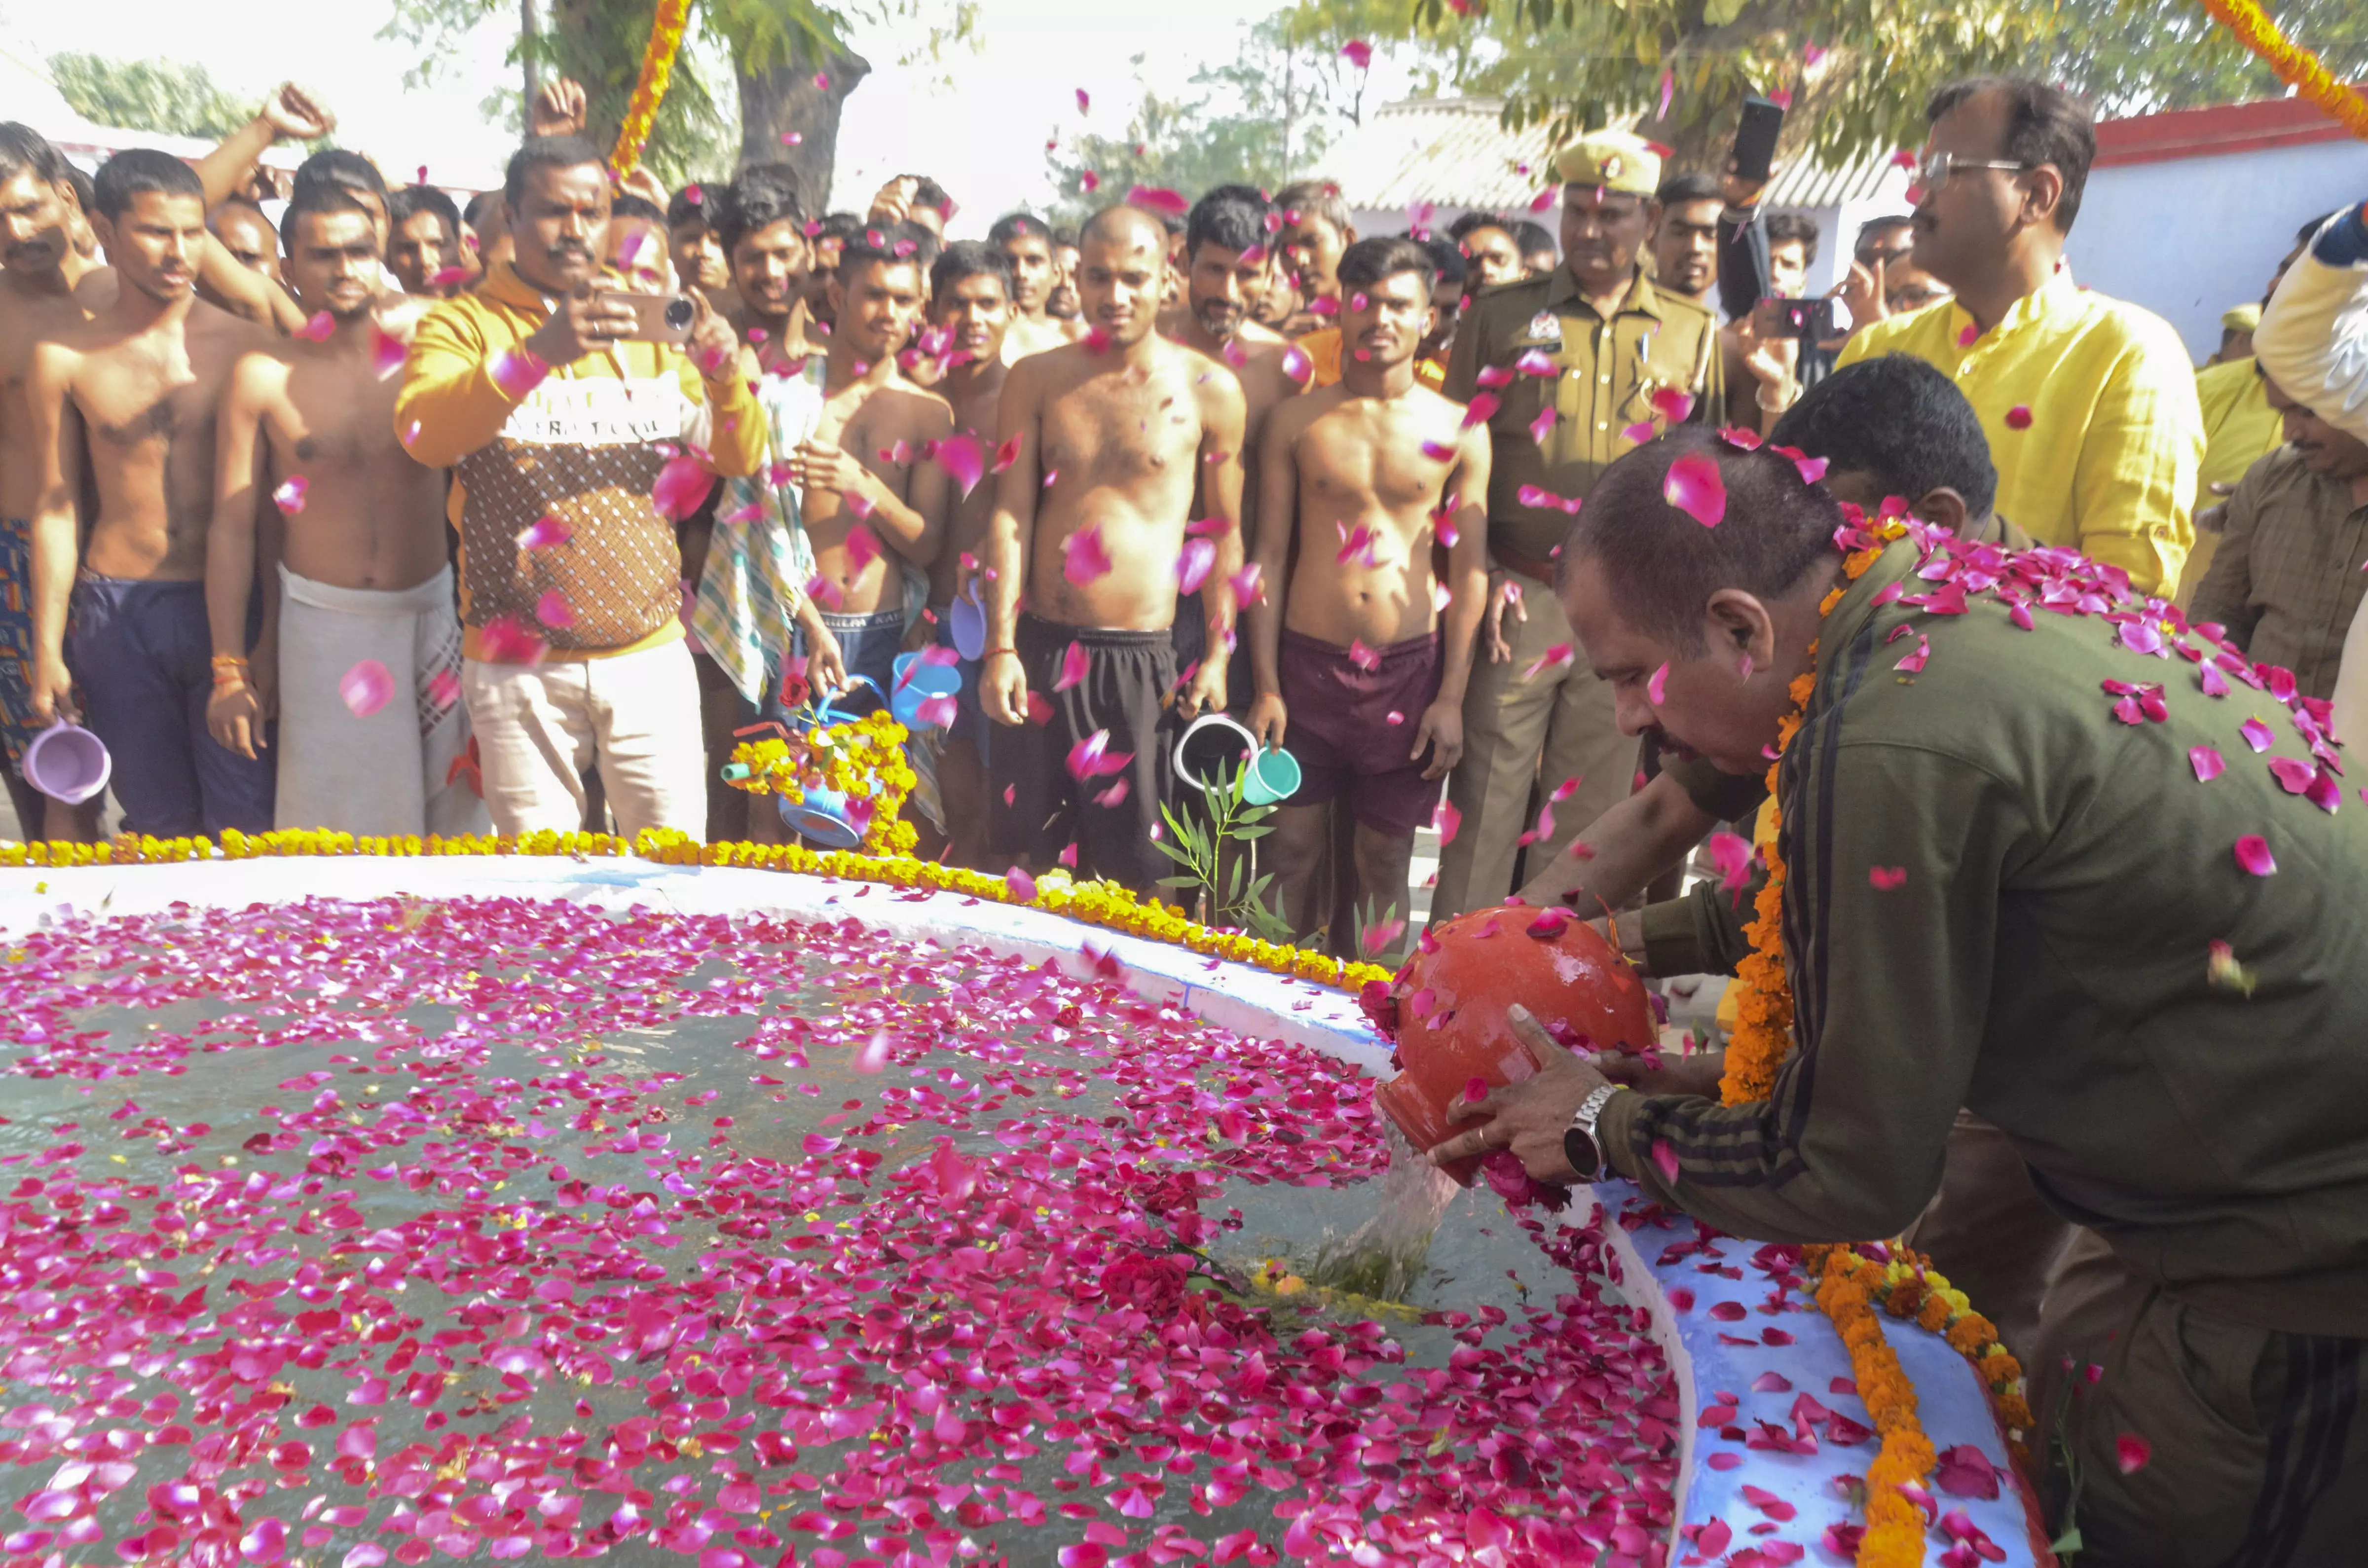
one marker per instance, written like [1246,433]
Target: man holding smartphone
[575,440]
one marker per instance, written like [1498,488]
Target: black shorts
[1040,809]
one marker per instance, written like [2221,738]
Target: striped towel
[757,571]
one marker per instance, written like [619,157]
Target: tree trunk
[529,28]
[802,98]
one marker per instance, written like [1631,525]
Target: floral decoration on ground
[475,1261]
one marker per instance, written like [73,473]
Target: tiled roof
[1452,154]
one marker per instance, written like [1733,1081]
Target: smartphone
[1811,321]
[659,318]
[1755,140]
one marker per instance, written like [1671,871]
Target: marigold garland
[2297,67]
[1096,904]
[1847,1285]
[650,89]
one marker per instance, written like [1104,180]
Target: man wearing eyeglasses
[2089,403]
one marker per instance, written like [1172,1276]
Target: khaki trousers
[1554,726]
[2258,1455]
[633,715]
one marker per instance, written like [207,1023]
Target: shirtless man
[1227,265]
[872,509]
[749,576]
[971,297]
[47,287]
[1115,434]
[1355,672]
[1061,305]
[1026,242]
[423,242]
[366,594]
[133,394]
[247,233]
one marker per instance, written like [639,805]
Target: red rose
[795,692]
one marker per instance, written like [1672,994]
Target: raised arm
[56,533]
[1278,515]
[450,403]
[1002,684]
[1223,415]
[242,478]
[289,114]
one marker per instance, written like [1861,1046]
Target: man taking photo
[574,442]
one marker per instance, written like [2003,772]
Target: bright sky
[984,138]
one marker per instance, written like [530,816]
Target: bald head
[1125,227]
[1121,272]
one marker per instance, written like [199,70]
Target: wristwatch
[1579,1145]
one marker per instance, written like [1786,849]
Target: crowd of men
[230,483]
[398,516]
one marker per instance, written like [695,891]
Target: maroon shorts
[1342,731]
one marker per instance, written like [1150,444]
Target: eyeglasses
[1934,168]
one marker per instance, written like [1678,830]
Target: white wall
[2191,238]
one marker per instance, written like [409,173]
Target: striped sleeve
[1895,854]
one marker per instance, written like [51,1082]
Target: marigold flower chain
[1096,904]
[650,89]
[1846,1285]
[2295,66]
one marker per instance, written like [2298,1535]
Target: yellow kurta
[2090,409]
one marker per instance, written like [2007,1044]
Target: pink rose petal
[1695,487]
[366,687]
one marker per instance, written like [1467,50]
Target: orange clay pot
[1451,998]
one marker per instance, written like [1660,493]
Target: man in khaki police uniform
[1616,341]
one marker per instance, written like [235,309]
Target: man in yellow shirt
[566,428]
[2089,403]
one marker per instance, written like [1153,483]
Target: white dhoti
[388,772]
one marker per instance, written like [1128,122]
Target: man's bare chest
[1114,437]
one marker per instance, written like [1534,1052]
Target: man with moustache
[1533,720]
[370,717]
[1115,437]
[560,425]
[2090,402]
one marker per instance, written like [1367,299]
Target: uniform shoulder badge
[1544,327]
